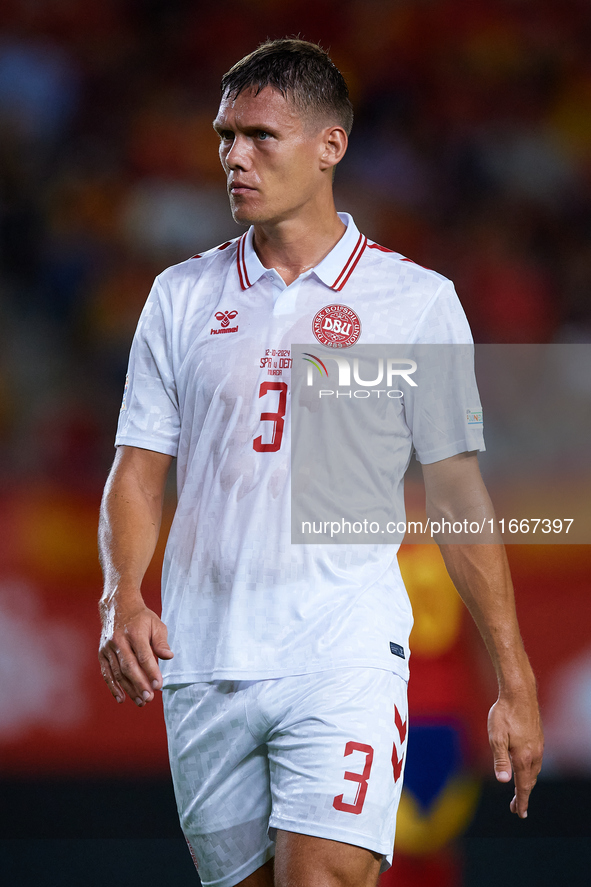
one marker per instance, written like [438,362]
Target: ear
[333,146]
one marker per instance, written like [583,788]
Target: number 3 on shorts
[360,778]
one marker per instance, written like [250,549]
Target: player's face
[271,156]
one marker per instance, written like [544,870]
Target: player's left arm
[455,491]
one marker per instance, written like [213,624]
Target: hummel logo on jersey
[224,318]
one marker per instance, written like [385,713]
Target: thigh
[221,780]
[337,756]
[318,862]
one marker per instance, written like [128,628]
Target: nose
[237,155]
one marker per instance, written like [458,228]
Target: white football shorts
[318,754]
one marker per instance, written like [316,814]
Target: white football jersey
[210,383]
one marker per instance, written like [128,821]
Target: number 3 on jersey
[276,418]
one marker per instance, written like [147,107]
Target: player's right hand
[132,640]
[517,742]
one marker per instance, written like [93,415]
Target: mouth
[237,188]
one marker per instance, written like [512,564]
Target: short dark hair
[301,71]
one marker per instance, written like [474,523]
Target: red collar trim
[241,264]
[350,264]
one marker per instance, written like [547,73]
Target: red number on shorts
[276,418]
[360,778]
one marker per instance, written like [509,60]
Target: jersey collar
[334,270]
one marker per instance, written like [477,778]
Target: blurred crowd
[470,153]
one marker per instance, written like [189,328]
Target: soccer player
[285,696]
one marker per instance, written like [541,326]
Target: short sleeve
[149,416]
[444,412]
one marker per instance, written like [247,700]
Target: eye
[262,135]
[225,135]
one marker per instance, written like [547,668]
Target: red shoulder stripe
[416,263]
[383,249]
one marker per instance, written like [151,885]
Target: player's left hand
[517,742]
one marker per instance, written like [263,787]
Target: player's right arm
[133,637]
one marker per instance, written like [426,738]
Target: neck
[293,246]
